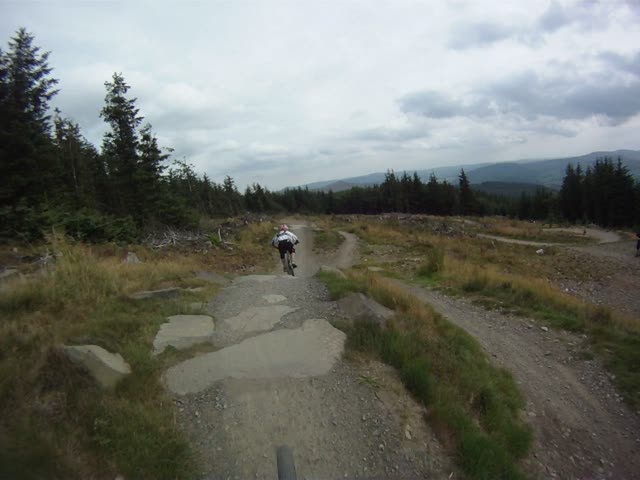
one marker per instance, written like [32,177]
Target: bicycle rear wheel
[287,259]
[286,465]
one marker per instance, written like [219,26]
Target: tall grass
[473,405]
[512,277]
[327,240]
[339,287]
[615,338]
[60,422]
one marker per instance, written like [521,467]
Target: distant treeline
[605,194]
[50,175]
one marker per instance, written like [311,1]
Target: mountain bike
[289,263]
[286,465]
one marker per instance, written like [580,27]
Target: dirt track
[602,236]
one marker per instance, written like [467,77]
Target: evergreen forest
[52,176]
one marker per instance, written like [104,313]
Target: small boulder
[8,273]
[335,271]
[197,306]
[358,307]
[132,258]
[273,299]
[183,331]
[106,368]
[540,251]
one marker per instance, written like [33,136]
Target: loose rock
[183,331]
[105,367]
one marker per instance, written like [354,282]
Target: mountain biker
[284,241]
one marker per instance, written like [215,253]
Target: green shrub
[434,262]
[340,287]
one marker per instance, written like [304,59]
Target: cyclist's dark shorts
[285,246]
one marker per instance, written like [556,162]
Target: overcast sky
[290,92]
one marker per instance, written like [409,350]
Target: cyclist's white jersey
[284,236]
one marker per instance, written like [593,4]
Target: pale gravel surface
[614,278]
[602,236]
[354,422]
[582,428]
[614,270]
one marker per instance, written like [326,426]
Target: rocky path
[278,377]
[582,429]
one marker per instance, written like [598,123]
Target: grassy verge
[327,240]
[514,278]
[57,423]
[340,287]
[522,230]
[616,339]
[473,406]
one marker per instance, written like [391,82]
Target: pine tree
[571,194]
[26,87]
[148,174]
[80,172]
[120,143]
[466,194]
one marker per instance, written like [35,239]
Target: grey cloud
[586,14]
[81,105]
[248,160]
[554,18]
[621,63]
[182,120]
[634,6]
[554,129]
[254,164]
[529,96]
[385,134]
[473,35]
[433,104]
[337,151]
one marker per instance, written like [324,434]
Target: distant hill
[443,173]
[547,172]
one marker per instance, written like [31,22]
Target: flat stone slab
[172,292]
[255,319]
[310,350]
[105,367]
[212,277]
[273,299]
[254,278]
[358,307]
[183,331]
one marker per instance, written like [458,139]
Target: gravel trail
[344,419]
[602,236]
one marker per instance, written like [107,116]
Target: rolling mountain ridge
[547,172]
